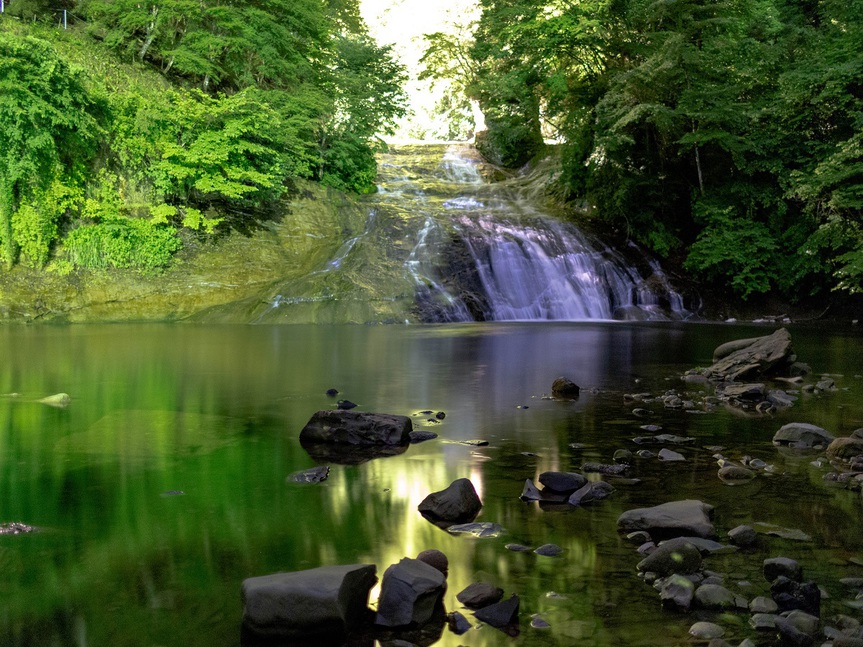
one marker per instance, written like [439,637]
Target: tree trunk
[151,33]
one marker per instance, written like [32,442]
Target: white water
[529,265]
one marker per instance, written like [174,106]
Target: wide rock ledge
[325,603]
[673,519]
[356,428]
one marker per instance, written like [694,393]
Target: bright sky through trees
[403,23]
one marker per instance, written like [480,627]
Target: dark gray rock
[790,595]
[805,622]
[592,492]
[705,546]
[564,389]
[410,592]
[763,621]
[742,536]
[518,548]
[677,593]
[480,594]
[802,435]
[322,603]
[458,503]
[458,624]
[549,550]
[845,448]
[670,456]
[714,596]
[763,604]
[530,492]
[673,519]
[752,391]
[500,615]
[421,436]
[435,559]
[311,475]
[733,474]
[356,428]
[768,355]
[332,392]
[562,482]
[346,404]
[782,566]
[679,558]
[791,636]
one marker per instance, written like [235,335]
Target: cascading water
[516,263]
[448,238]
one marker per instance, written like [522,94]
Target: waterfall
[486,251]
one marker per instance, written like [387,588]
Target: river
[162,484]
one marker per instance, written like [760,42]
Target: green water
[215,412]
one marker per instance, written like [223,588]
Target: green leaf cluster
[726,134]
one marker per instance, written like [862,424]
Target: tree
[49,125]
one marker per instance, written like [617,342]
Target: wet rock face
[674,519]
[802,435]
[744,359]
[410,592]
[324,603]
[356,428]
[458,503]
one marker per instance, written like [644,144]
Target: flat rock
[759,356]
[802,435]
[317,604]
[673,519]
[458,503]
[421,436]
[562,482]
[356,428]
[480,594]
[714,596]
[549,550]
[706,631]
[500,615]
[410,591]
[483,529]
[311,475]
[845,448]
[681,558]
[592,492]
[670,456]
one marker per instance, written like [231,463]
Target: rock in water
[672,558]
[500,615]
[311,475]
[410,591]
[479,595]
[802,435]
[767,355]
[564,389]
[562,482]
[356,428]
[458,503]
[57,400]
[673,519]
[325,603]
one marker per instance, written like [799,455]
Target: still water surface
[162,485]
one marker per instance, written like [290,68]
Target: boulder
[673,519]
[458,503]
[564,389]
[681,558]
[785,566]
[845,448]
[802,435]
[410,592]
[768,355]
[742,536]
[356,428]
[500,615]
[714,596]
[436,559]
[790,595]
[677,593]
[591,492]
[479,595]
[325,603]
[562,482]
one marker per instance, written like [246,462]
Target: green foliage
[35,224]
[48,131]
[349,165]
[122,243]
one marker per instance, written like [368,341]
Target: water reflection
[215,413]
